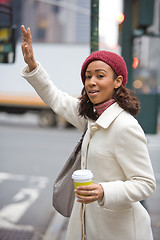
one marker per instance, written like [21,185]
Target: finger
[24,46]
[87,190]
[24,33]
[23,28]
[29,31]
[85,200]
[26,49]
[86,195]
[83,192]
[87,187]
[29,36]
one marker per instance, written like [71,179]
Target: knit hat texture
[116,62]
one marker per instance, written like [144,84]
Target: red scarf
[100,108]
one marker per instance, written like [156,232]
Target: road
[152,203]
[31,157]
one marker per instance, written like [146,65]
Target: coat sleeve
[132,155]
[61,103]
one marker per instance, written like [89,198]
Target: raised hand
[27,49]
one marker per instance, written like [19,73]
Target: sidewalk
[57,228]
[58,225]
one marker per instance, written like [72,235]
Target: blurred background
[65,32]
[34,141]
[61,32]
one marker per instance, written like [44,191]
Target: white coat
[114,149]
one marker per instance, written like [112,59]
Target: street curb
[57,227]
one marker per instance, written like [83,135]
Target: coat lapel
[108,116]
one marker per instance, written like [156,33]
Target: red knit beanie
[116,62]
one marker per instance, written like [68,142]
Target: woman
[114,147]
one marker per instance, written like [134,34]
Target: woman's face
[99,82]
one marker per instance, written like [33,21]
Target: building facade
[54,21]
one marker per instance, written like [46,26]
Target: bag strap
[83,208]
[83,224]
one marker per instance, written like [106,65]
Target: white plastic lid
[83,174]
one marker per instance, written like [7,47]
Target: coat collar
[108,116]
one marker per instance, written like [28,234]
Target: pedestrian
[114,146]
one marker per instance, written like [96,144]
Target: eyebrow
[97,70]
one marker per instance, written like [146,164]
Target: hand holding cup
[86,191]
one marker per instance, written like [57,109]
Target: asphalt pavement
[58,225]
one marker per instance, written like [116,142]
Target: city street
[31,158]
[58,36]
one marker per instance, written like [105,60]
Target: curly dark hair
[122,95]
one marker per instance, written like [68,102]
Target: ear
[118,82]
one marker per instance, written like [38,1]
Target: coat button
[94,128]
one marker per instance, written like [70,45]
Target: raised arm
[27,49]
[62,104]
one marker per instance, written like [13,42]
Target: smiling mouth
[93,92]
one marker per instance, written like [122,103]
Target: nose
[92,81]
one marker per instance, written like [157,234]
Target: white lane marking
[21,201]
[8,176]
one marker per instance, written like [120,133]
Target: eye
[100,76]
[88,77]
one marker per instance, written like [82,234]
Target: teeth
[93,91]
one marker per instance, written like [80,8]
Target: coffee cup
[82,177]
